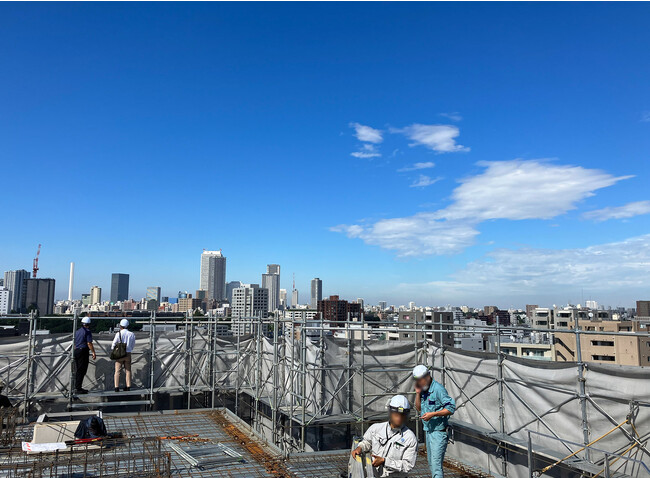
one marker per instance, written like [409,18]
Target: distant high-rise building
[336,310]
[201,294]
[642,307]
[95,295]
[230,286]
[360,302]
[250,300]
[71,283]
[85,299]
[153,293]
[591,304]
[39,295]
[119,287]
[16,283]
[213,274]
[271,281]
[489,309]
[294,298]
[316,292]
[530,310]
[188,303]
[383,305]
[411,305]
[283,298]
[4,300]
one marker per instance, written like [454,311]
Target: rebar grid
[8,421]
[208,426]
[113,458]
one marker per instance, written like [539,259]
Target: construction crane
[35,270]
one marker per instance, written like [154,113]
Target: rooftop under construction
[286,399]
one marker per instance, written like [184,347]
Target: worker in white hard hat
[83,346]
[127,337]
[393,446]
[435,406]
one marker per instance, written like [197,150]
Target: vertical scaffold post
[212,324]
[258,373]
[502,423]
[606,469]
[152,354]
[443,370]
[417,325]
[531,465]
[238,359]
[363,379]
[29,375]
[291,384]
[348,386]
[582,389]
[75,318]
[303,378]
[189,319]
[276,365]
[323,375]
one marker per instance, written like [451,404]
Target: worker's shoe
[126,389]
[81,391]
[117,389]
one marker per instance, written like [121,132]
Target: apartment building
[435,321]
[633,348]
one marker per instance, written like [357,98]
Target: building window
[604,358]
[603,343]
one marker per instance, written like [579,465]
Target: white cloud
[367,133]
[424,181]
[416,235]
[513,190]
[416,166]
[524,190]
[362,155]
[367,151]
[548,273]
[645,116]
[622,212]
[455,116]
[438,137]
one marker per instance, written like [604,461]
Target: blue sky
[504,148]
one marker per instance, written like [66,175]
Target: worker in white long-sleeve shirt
[128,338]
[393,446]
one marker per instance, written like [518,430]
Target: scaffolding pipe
[152,354]
[29,376]
[363,380]
[531,464]
[582,390]
[499,379]
[73,365]
[303,386]
[276,367]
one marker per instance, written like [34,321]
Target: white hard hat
[420,371]
[85,320]
[400,404]
[124,323]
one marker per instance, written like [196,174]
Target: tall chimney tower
[71,281]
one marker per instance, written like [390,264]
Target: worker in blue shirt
[435,406]
[83,346]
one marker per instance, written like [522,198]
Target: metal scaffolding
[290,379]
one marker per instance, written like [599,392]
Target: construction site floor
[208,427]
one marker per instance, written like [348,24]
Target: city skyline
[405,164]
